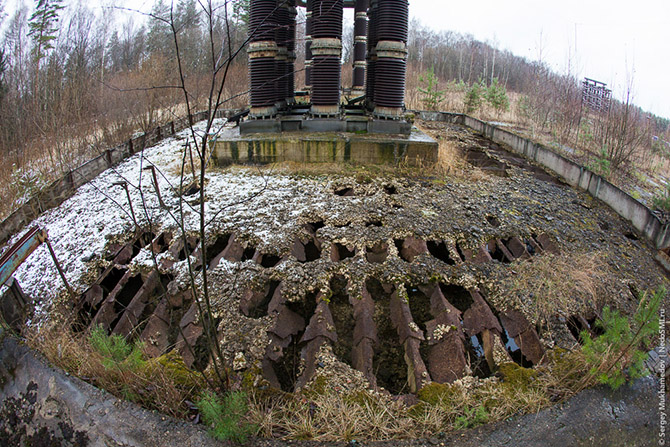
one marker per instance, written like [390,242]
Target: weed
[471,417]
[26,183]
[225,415]
[615,355]
[116,351]
[162,384]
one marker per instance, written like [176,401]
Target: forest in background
[75,81]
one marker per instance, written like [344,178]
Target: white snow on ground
[80,227]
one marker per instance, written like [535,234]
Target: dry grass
[327,415]
[162,384]
[330,416]
[452,163]
[563,284]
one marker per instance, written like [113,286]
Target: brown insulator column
[391,57]
[308,44]
[326,55]
[290,47]
[281,59]
[371,55]
[262,51]
[360,44]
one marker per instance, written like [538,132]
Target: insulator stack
[263,53]
[262,22]
[263,93]
[392,20]
[360,43]
[327,18]
[379,65]
[308,44]
[371,56]
[283,15]
[290,47]
[390,36]
[326,31]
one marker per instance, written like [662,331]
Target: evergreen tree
[159,38]
[43,26]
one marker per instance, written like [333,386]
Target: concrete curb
[577,176]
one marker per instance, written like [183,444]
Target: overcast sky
[610,41]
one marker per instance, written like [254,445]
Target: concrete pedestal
[416,149]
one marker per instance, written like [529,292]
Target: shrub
[662,201]
[474,97]
[225,415]
[496,96]
[432,96]
[615,355]
[117,353]
[602,164]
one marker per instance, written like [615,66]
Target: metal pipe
[124,185]
[58,267]
[155,182]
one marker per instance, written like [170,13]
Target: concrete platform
[325,147]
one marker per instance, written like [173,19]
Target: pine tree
[43,26]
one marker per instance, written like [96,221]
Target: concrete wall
[327,148]
[61,189]
[641,217]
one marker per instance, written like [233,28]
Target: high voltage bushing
[263,51]
[326,32]
[392,20]
[308,44]
[262,20]
[371,56]
[391,66]
[390,56]
[290,47]
[262,78]
[327,18]
[360,42]
[283,15]
[326,76]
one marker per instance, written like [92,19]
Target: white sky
[610,41]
